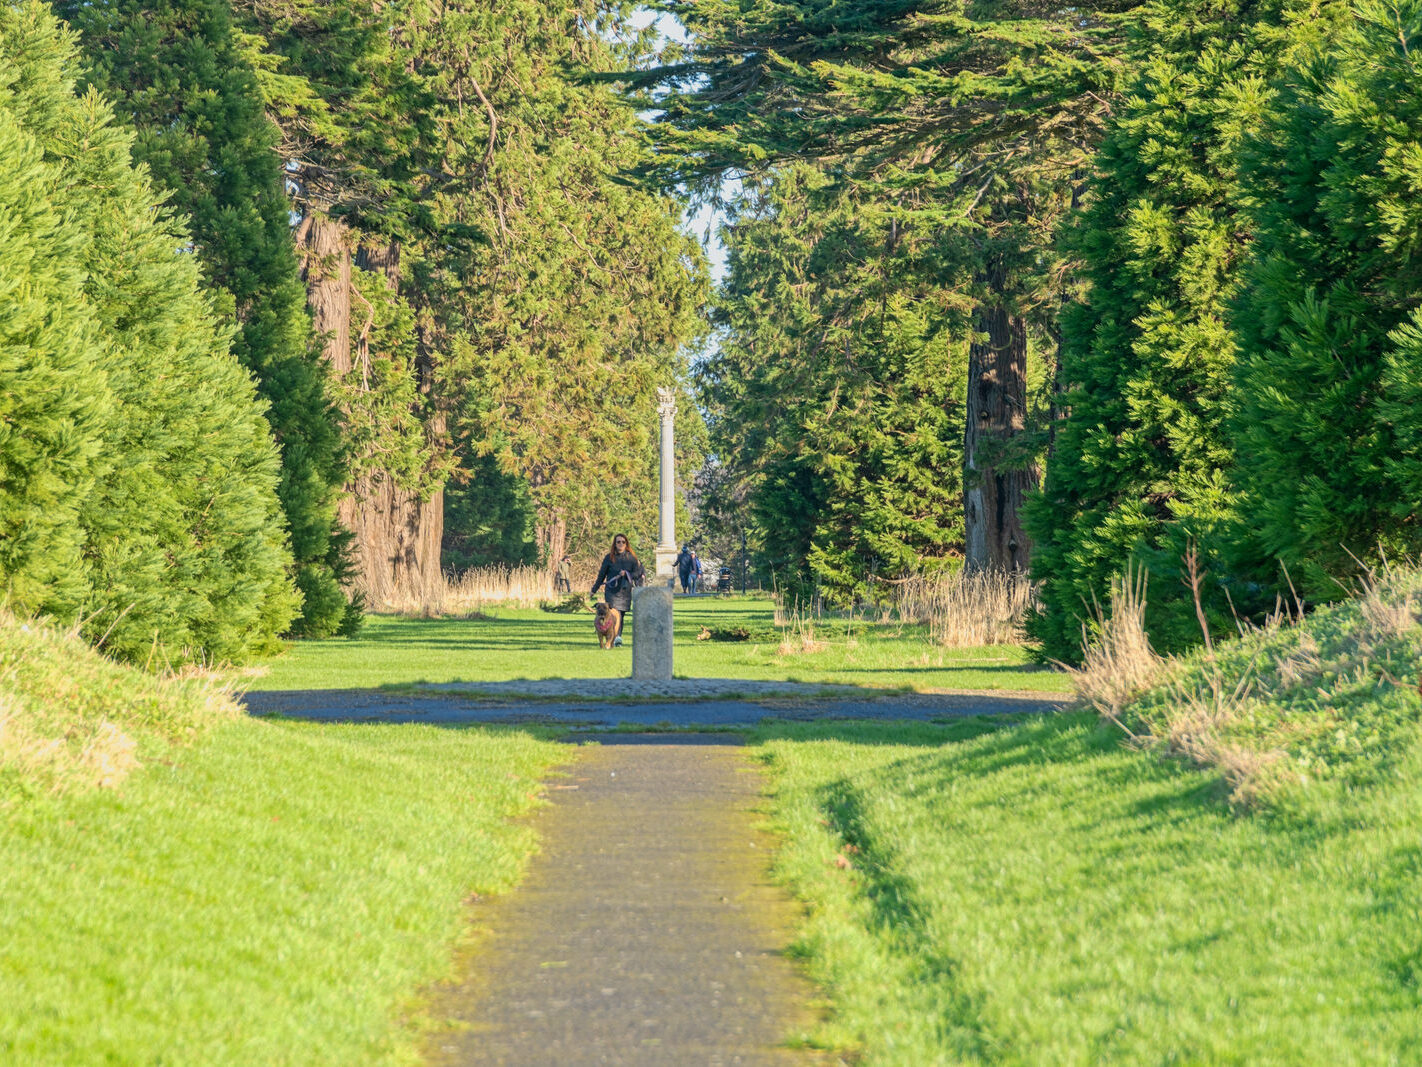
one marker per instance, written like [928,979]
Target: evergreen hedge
[137,475]
[1328,432]
[179,72]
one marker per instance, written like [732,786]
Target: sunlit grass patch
[1037,892]
[71,719]
[1299,702]
[509,643]
[275,894]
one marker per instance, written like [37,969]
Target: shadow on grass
[1008,668]
[1029,761]
[901,922]
[544,630]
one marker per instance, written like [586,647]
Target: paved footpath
[685,702]
[646,930]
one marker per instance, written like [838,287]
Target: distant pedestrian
[565,575]
[620,570]
[683,567]
[695,572]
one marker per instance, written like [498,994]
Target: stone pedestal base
[666,565]
[652,633]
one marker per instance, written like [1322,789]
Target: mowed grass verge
[1036,892]
[182,884]
[277,894]
[513,643]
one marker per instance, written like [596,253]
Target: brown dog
[606,624]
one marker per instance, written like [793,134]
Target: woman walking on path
[621,571]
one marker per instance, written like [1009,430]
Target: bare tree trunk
[551,534]
[325,251]
[397,539]
[382,257]
[996,412]
[397,535]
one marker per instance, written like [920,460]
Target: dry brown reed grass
[1117,662]
[967,609]
[465,595]
[797,630]
[1119,666]
[72,719]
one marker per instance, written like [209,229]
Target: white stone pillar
[666,546]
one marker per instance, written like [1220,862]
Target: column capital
[666,402]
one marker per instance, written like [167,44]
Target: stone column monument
[666,543]
[652,605]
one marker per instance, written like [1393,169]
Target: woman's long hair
[613,550]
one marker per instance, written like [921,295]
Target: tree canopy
[140,475]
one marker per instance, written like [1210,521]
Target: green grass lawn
[1035,892]
[277,893]
[530,644]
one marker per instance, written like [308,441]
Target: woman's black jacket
[619,589]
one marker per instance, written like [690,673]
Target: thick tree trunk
[397,535]
[996,412]
[397,540]
[325,252]
[552,536]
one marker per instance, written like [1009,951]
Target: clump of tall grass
[1295,701]
[72,719]
[967,609]
[466,593]
[797,632]
[1117,662]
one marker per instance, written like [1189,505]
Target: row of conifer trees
[1069,290]
[139,477]
[279,275]
[1242,372]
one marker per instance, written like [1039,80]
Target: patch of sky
[703,216]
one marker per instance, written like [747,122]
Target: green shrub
[139,477]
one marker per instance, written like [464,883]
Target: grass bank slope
[1297,716]
[71,719]
[1041,892]
[262,892]
[514,643]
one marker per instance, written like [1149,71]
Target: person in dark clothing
[620,571]
[683,568]
[694,573]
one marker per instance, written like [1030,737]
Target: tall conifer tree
[180,73]
[53,402]
[986,111]
[1139,468]
[164,476]
[836,390]
[1330,318]
[481,278]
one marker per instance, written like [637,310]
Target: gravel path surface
[696,704]
[625,689]
[646,930]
